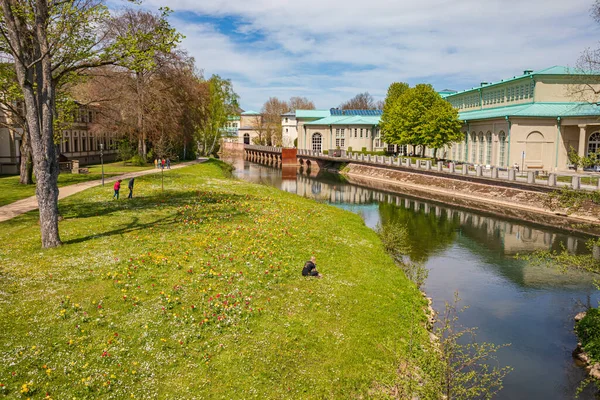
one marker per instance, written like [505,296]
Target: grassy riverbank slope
[196,293]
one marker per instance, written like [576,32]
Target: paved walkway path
[19,207]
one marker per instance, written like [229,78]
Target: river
[510,300]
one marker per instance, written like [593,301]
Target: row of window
[510,94]
[77,144]
[481,148]
[358,132]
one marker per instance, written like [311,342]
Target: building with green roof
[530,120]
[345,129]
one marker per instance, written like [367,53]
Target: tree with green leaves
[418,116]
[222,103]
[48,42]
[395,90]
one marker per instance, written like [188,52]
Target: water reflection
[510,301]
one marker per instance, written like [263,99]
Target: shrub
[137,160]
[364,150]
[588,331]
[296,142]
[349,149]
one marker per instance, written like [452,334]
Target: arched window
[594,143]
[246,138]
[488,156]
[474,149]
[316,142]
[502,140]
[480,147]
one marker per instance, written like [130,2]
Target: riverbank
[507,202]
[199,288]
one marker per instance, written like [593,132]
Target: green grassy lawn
[11,190]
[197,293]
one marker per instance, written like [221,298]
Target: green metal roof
[347,120]
[250,112]
[555,70]
[312,113]
[539,110]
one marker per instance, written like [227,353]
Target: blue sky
[331,50]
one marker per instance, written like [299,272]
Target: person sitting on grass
[117,187]
[310,268]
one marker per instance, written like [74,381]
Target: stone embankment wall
[509,202]
[229,147]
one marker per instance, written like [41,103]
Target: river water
[510,301]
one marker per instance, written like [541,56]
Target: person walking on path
[168,163]
[163,163]
[117,187]
[310,268]
[156,163]
[130,185]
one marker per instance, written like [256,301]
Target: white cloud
[445,42]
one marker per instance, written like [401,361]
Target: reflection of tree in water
[427,233]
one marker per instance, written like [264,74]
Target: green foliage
[138,46]
[137,161]
[570,199]
[469,369]
[349,149]
[223,102]
[395,91]
[296,142]
[363,150]
[588,332]
[125,150]
[326,152]
[592,159]
[418,116]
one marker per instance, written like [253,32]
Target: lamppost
[102,161]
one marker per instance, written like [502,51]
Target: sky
[330,50]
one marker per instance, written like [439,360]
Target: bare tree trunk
[142,151]
[26,165]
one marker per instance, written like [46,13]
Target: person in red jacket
[117,187]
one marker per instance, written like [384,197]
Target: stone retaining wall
[508,202]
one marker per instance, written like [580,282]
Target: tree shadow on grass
[201,205]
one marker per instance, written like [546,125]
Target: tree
[442,126]
[259,125]
[222,102]
[146,41]
[49,41]
[419,117]
[395,90]
[13,108]
[300,103]
[271,117]
[362,101]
